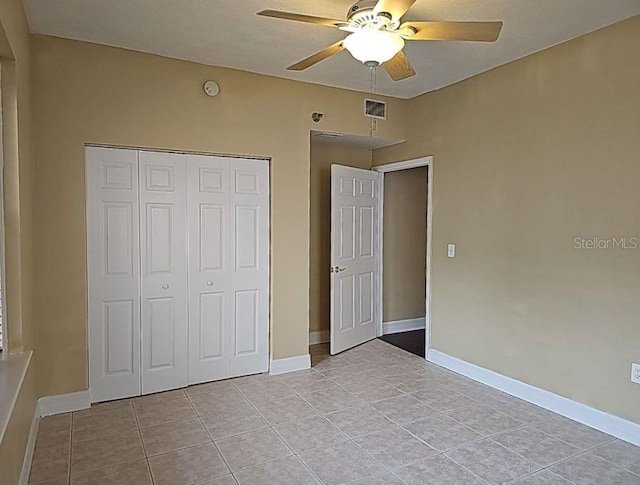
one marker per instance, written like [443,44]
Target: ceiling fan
[377,35]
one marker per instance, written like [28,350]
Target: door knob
[165,286]
[209,283]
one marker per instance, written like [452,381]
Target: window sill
[13,369]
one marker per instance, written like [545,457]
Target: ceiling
[227,33]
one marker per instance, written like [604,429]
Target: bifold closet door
[210,338]
[228,267]
[249,261]
[113,273]
[163,258]
[178,270]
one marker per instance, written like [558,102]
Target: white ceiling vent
[374,108]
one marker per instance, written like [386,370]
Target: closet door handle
[165,286]
[209,283]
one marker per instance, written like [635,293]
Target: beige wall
[322,157]
[528,157]
[87,93]
[405,244]
[15,48]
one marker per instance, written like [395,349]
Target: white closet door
[113,273]
[178,262]
[248,259]
[209,268]
[163,254]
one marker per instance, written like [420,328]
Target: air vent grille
[374,108]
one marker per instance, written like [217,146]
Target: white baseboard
[31,446]
[290,364]
[398,326]
[319,337]
[607,423]
[64,403]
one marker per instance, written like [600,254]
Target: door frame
[395,167]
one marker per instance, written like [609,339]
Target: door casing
[395,167]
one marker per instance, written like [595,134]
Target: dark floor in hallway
[410,341]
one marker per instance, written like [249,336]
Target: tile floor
[375,415]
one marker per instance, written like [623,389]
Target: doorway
[327,149]
[405,243]
[357,243]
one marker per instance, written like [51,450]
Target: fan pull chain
[373,125]
[375,80]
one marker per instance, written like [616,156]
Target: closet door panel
[210,327]
[163,253]
[249,262]
[209,296]
[246,322]
[162,333]
[113,273]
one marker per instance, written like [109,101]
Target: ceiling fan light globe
[373,46]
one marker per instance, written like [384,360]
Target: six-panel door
[163,258]
[354,256]
[113,273]
[208,213]
[249,265]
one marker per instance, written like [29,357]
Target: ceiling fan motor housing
[361,6]
[362,15]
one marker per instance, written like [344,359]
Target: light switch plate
[451,250]
[635,373]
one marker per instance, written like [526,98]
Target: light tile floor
[374,415]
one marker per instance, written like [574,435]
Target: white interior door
[354,256]
[163,254]
[210,338]
[113,273]
[248,260]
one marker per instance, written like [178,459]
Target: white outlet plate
[451,250]
[635,373]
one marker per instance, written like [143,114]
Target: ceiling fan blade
[465,31]
[399,67]
[397,8]
[317,57]
[303,18]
